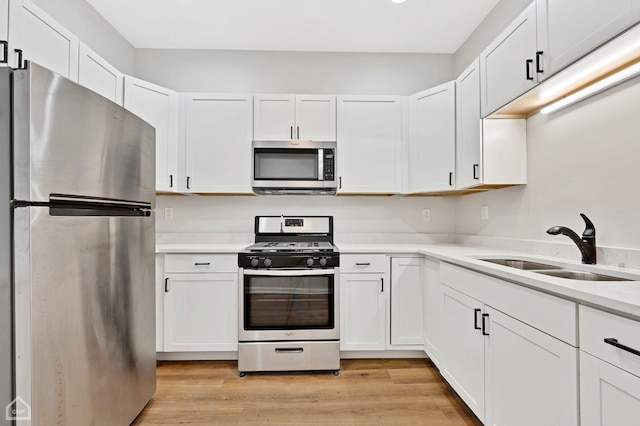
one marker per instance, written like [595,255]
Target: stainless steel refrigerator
[77,192]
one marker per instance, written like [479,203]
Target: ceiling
[417,26]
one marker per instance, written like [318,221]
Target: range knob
[310,261]
[254,261]
[323,261]
[267,262]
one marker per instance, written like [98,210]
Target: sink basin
[581,275]
[525,265]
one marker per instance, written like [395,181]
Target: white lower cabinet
[407,288]
[432,312]
[511,366]
[609,375]
[362,302]
[200,303]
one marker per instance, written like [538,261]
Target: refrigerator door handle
[85,201]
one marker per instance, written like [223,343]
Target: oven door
[281,305]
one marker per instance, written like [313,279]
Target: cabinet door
[468,127]
[506,72]
[42,39]
[462,348]
[217,131]
[569,29]
[273,117]
[609,396]
[362,312]
[369,144]
[315,118]
[531,377]
[200,312]
[433,137]
[100,76]
[432,311]
[407,290]
[159,107]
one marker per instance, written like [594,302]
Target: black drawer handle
[363,264]
[614,342]
[475,319]
[289,350]
[484,324]
[203,263]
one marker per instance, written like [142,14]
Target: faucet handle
[589,230]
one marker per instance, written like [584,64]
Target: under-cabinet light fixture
[398,1]
[597,87]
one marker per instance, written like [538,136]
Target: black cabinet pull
[20,65]
[475,171]
[291,134]
[539,61]
[484,324]
[5,51]
[381,285]
[188,178]
[170,181]
[203,263]
[166,285]
[363,263]
[289,350]
[450,178]
[528,63]
[475,319]
[340,185]
[614,342]
[297,132]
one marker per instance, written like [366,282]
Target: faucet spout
[586,244]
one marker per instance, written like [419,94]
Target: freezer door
[69,140]
[6,340]
[85,316]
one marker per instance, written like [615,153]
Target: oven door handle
[287,272]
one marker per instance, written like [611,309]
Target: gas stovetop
[291,246]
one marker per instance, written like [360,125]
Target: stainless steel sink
[525,265]
[581,275]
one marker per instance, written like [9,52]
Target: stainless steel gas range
[289,296]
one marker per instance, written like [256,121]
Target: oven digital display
[294,222]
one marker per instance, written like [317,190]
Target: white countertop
[621,297]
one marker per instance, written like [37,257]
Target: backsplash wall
[352,215]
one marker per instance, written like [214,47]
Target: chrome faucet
[586,244]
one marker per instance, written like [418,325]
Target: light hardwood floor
[367,392]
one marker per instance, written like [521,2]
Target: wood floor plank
[367,392]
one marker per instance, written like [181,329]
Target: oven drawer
[359,263]
[289,356]
[200,262]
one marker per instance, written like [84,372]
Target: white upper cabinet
[294,117]
[370,142]
[217,135]
[490,152]
[42,40]
[508,65]
[98,75]
[432,139]
[159,107]
[569,29]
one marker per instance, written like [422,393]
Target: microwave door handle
[320,164]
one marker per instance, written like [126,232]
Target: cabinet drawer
[190,263]
[363,263]
[596,325]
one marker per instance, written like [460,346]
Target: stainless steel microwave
[294,167]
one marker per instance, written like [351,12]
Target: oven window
[285,164]
[292,302]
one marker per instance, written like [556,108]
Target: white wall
[585,159]
[94,31]
[293,72]
[217,214]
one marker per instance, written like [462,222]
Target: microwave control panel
[329,165]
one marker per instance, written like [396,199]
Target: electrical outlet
[426,214]
[485,212]
[168,213]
